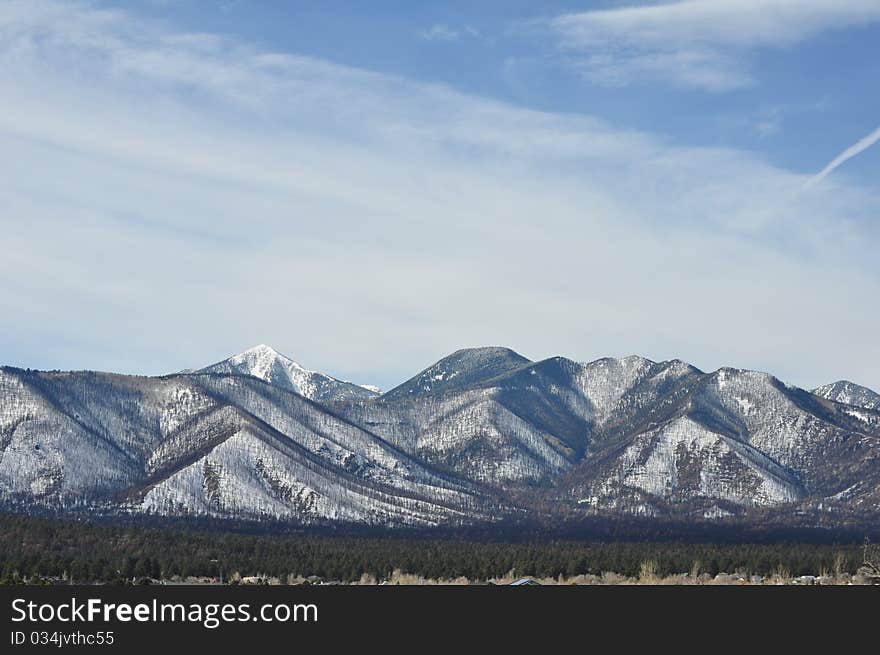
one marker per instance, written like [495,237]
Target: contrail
[849,153]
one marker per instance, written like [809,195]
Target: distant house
[525,581]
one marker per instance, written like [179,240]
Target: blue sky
[822,85]
[368,186]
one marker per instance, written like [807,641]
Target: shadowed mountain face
[460,370]
[482,435]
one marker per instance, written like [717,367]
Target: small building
[525,582]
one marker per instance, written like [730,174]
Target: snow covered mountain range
[482,435]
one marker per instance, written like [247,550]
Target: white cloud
[698,43]
[170,198]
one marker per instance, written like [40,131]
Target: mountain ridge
[482,435]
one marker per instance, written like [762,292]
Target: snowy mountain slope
[265,363]
[794,448]
[481,435]
[48,456]
[256,472]
[247,478]
[153,445]
[683,460]
[849,393]
[520,424]
[466,433]
[529,422]
[344,444]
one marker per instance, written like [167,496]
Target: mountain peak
[487,351]
[462,368]
[263,349]
[266,363]
[262,360]
[849,393]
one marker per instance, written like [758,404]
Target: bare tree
[871,562]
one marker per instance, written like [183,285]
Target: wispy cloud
[697,43]
[768,123]
[443,32]
[855,149]
[440,32]
[168,198]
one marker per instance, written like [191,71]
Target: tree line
[39,548]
